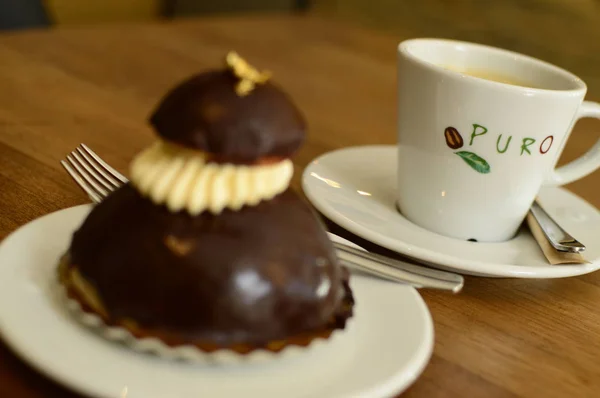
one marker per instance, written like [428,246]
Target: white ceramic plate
[385,349]
[355,188]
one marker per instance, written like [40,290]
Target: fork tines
[92,174]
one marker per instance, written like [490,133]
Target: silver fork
[98,179]
[92,174]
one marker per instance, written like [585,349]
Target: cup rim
[579,85]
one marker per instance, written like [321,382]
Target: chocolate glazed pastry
[205,113]
[251,277]
[219,256]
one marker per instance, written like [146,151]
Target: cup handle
[586,163]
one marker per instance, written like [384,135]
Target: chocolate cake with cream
[207,245]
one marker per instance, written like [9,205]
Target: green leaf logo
[477,163]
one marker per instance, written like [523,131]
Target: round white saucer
[386,347]
[355,188]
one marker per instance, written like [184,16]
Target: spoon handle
[560,239]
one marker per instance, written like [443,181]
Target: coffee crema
[491,75]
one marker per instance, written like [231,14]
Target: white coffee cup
[473,150]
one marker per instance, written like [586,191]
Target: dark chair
[175,8]
[22,14]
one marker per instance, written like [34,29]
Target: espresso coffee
[491,75]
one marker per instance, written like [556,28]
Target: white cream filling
[182,179]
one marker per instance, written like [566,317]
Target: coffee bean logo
[455,141]
[453,138]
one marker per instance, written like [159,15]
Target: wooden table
[499,338]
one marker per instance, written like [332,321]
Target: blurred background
[565,32]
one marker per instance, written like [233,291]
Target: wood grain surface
[97,85]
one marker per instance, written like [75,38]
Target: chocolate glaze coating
[254,276]
[205,113]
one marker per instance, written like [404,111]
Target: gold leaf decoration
[248,75]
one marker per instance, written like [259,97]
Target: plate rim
[399,382]
[443,261]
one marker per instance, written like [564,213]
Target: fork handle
[399,271]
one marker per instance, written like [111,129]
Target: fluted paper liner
[190,353]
